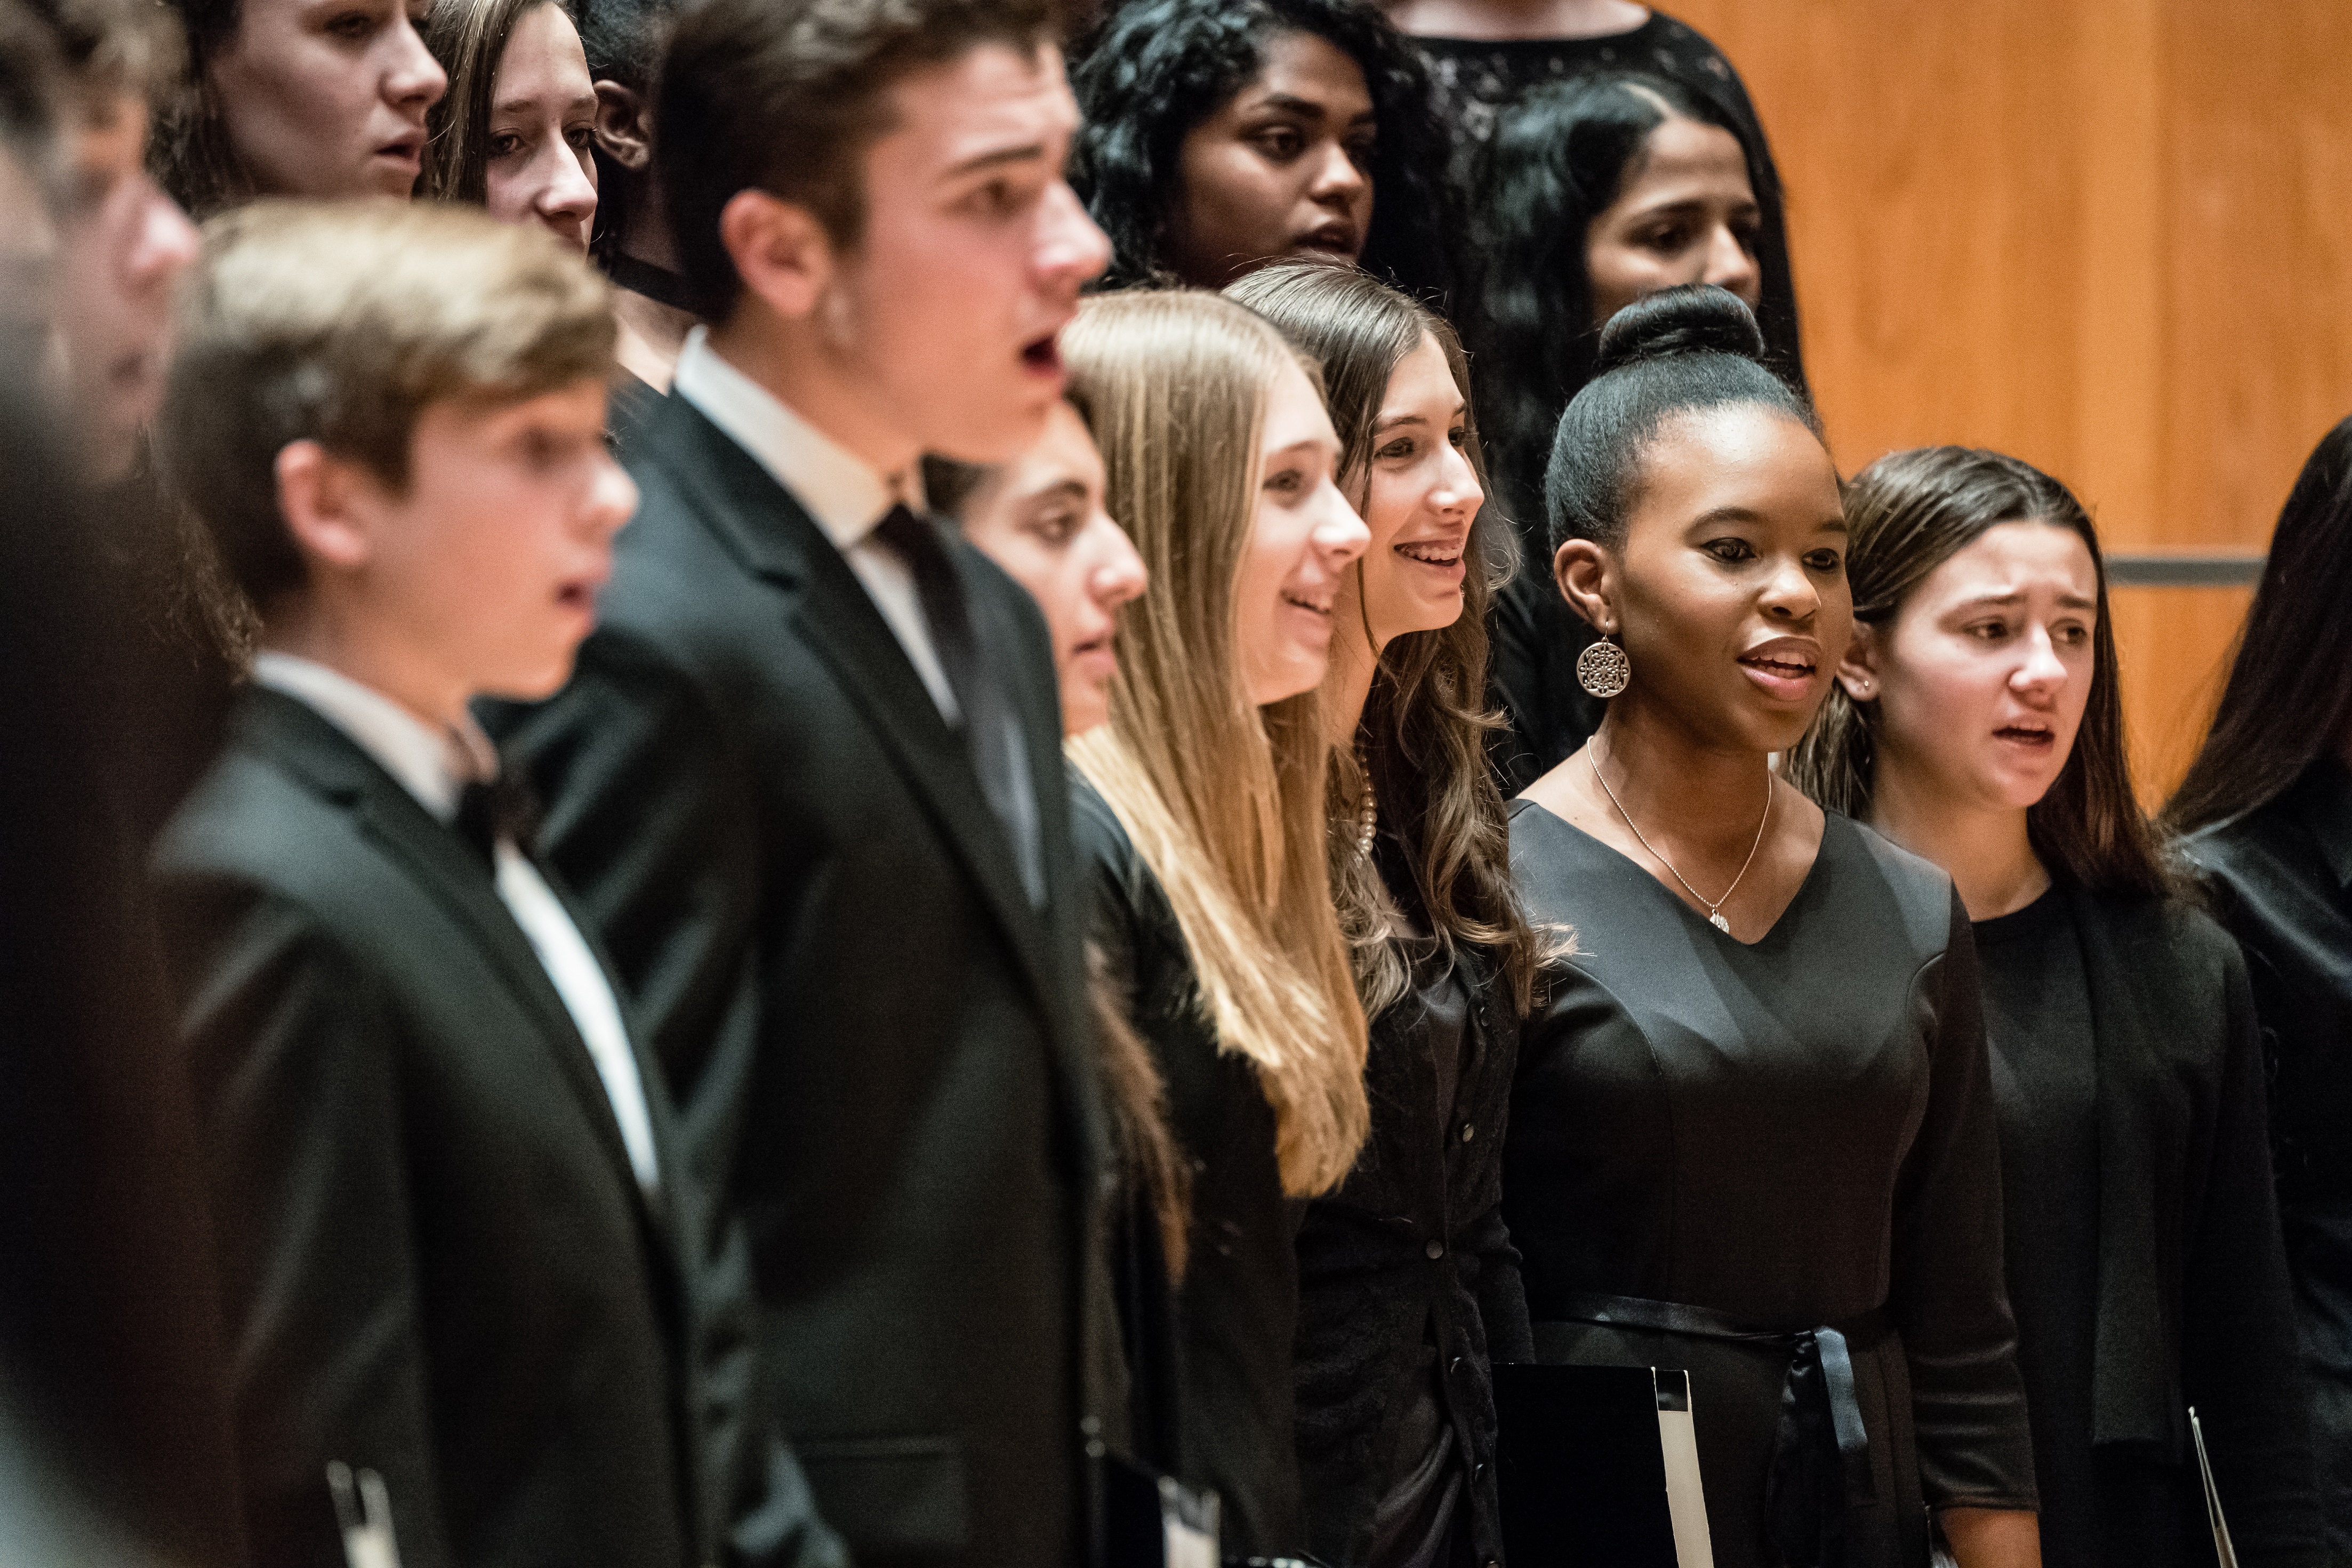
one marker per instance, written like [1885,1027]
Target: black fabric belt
[1821,1450]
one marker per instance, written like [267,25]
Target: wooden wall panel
[2111,236]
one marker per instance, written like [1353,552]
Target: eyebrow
[2065,601]
[514,104]
[1308,108]
[1693,205]
[1749,515]
[1027,153]
[1059,490]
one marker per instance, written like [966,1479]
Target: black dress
[2143,1244]
[1795,1138]
[1536,638]
[2281,880]
[1226,1354]
[1409,1284]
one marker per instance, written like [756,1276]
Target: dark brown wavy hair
[1909,512]
[1424,727]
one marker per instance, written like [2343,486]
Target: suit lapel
[762,525]
[435,858]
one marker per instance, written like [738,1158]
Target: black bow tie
[500,808]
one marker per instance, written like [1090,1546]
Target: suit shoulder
[254,869]
[248,817]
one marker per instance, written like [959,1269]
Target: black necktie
[991,726]
[495,809]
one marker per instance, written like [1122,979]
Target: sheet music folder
[1595,1464]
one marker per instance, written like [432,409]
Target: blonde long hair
[1224,800]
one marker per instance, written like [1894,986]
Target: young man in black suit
[809,777]
[460,1248]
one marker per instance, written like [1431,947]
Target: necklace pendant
[1718,921]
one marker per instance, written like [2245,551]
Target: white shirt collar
[844,495]
[433,765]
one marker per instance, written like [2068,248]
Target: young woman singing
[1752,1134]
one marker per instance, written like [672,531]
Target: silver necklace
[1369,821]
[1715,908]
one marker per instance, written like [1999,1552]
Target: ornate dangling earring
[1604,669]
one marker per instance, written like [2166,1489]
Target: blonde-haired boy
[457,1248]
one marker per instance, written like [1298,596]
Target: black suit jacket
[878,1040]
[438,1262]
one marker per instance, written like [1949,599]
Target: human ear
[1858,671]
[1587,583]
[322,498]
[623,129]
[780,250]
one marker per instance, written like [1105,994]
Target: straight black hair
[1909,512]
[1677,351]
[2289,697]
[1153,69]
[1556,160]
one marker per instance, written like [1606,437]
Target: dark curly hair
[1556,161]
[1153,69]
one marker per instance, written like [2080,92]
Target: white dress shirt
[847,497]
[436,766]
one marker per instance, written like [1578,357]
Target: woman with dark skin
[1593,193]
[1977,723]
[1396,1416]
[1221,137]
[1771,1026]
[2267,811]
[316,99]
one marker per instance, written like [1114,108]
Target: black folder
[1581,1468]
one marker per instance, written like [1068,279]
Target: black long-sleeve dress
[1781,1138]
[1223,1357]
[2142,1239]
[1409,1286]
[2281,880]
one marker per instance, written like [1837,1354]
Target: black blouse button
[1435,1250]
[1457,1363]
[1468,1132]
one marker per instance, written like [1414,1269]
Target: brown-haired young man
[809,777]
[460,1248]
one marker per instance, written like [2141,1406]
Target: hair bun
[1695,319]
